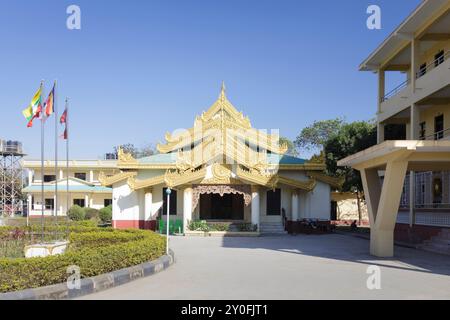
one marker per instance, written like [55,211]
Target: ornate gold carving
[107,181]
[332,181]
[141,184]
[125,158]
[222,116]
[221,190]
[304,185]
[176,177]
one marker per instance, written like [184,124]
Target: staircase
[271,228]
[439,243]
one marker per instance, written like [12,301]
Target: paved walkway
[301,267]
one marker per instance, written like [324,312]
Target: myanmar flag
[50,103]
[34,109]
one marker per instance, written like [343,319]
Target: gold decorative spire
[223,90]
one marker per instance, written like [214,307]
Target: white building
[85,189]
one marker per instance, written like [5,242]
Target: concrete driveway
[288,267]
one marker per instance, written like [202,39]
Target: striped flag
[50,102]
[34,110]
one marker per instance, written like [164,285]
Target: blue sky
[138,69]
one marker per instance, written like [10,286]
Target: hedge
[95,251]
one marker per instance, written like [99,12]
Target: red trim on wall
[415,234]
[134,224]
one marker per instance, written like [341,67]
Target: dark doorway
[226,207]
[439,127]
[274,202]
[334,211]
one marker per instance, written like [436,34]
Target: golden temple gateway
[221,169]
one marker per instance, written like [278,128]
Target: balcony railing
[424,69]
[432,65]
[439,135]
[396,90]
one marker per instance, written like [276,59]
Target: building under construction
[11,178]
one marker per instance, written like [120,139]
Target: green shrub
[76,213]
[105,214]
[246,227]
[198,225]
[94,250]
[219,226]
[202,225]
[91,214]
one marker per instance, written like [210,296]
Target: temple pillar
[294,205]
[148,201]
[255,206]
[187,208]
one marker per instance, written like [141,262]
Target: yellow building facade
[419,109]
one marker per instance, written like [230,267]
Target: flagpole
[42,163]
[55,106]
[67,152]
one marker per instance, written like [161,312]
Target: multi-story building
[84,188]
[414,158]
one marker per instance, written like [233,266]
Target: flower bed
[94,250]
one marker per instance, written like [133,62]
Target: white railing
[423,71]
[433,65]
[439,135]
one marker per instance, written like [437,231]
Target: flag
[33,111]
[63,120]
[50,102]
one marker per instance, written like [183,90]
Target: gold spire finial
[223,91]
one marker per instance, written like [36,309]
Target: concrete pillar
[412,198]
[187,208]
[383,203]
[91,176]
[30,203]
[294,205]
[61,174]
[55,208]
[381,88]
[415,56]
[415,122]
[255,206]
[30,177]
[86,200]
[380,133]
[148,204]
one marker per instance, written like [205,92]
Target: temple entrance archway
[225,207]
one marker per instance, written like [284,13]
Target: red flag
[63,120]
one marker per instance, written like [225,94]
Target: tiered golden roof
[222,139]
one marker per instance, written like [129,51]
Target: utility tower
[11,178]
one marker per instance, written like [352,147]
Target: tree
[127,148]
[130,148]
[314,137]
[147,150]
[350,139]
[292,150]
